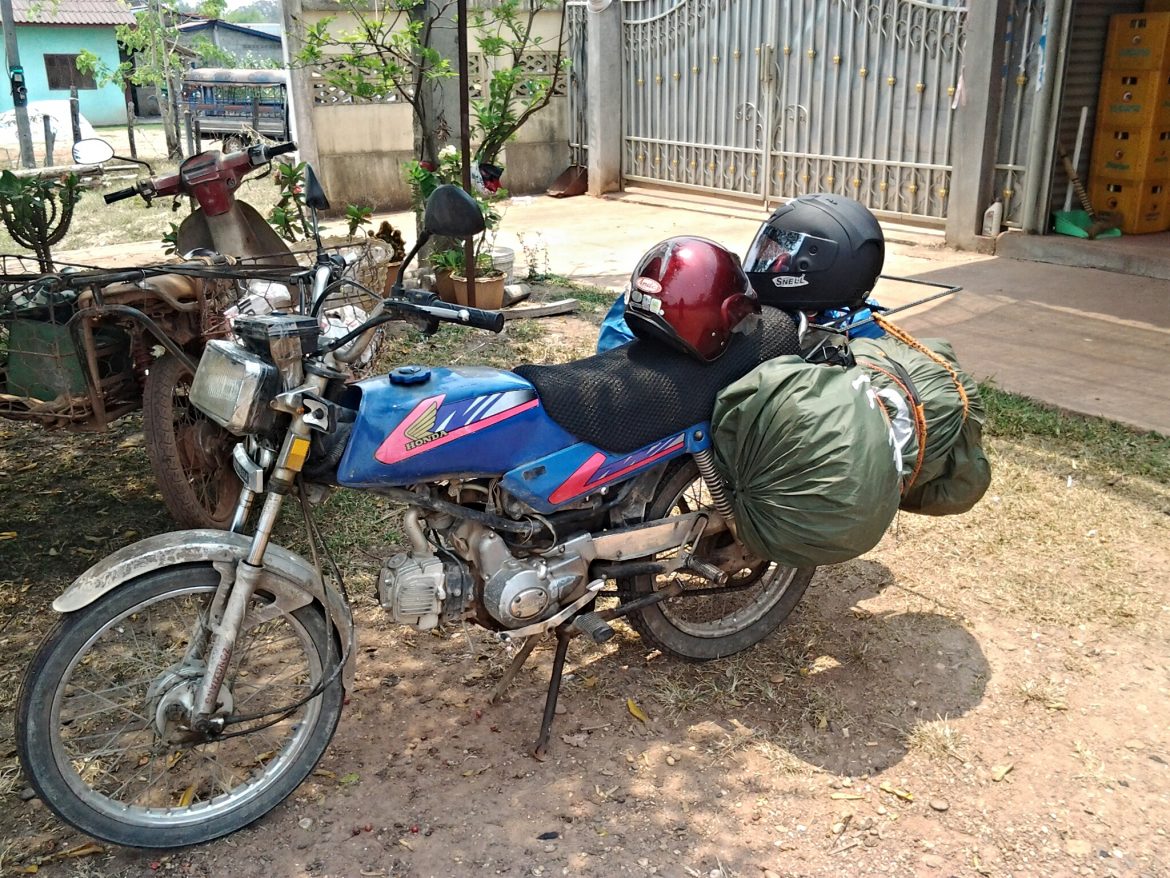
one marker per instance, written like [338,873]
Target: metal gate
[778,99]
[578,49]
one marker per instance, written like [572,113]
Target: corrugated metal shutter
[1082,81]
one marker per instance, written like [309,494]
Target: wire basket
[42,374]
[62,370]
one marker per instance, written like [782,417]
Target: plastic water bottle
[993,219]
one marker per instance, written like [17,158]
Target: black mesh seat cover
[630,396]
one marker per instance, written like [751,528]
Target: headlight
[233,387]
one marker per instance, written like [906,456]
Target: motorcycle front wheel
[191,456]
[99,719]
[710,622]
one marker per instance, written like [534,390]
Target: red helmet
[690,293]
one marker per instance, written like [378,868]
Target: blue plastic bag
[615,332]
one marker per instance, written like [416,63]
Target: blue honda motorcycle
[195,678]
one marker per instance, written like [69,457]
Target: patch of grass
[1100,446]
[585,293]
[783,761]
[1043,692]
[1094,767]
[936,739]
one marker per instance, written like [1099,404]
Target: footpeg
[707,571]
[593,627]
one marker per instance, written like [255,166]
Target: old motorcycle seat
[625,398]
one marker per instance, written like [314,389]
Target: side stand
[594,624]
[564,632]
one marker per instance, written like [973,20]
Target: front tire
[90,720]
[759,596]
[191,455]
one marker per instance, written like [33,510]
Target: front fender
[285,573]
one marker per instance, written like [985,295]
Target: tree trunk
[439,98]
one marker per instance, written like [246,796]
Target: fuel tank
[422,424]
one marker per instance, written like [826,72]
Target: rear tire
[703,628]
[191,456]
[87,719]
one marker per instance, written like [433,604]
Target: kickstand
[514,668]
[554,690]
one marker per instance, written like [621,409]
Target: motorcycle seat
[630,396]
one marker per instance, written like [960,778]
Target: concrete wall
[361,148]
[101,106]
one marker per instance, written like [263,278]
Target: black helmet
[817,252]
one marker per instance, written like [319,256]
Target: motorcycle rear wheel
[759,597]
[92,711]
[191,456]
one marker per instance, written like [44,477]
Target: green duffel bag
[952,473]
[953,485]
[807,453]
[943,405]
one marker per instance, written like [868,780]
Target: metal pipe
[412,526]
[1040,135]
[465,143]
[948,130]
[243,507]
[1017,112]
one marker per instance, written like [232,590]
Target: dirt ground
[982,695]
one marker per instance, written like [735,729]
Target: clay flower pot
[489,290]
[444,287]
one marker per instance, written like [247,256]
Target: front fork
[227,617]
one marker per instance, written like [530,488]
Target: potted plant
[445,263]
[393,239]
[489,284]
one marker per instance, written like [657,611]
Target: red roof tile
[71,12]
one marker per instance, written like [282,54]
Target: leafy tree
[153,43]
[37,212]
[389,52]
[514,92]
[261,10]
[212,8]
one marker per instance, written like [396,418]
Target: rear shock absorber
[720,498]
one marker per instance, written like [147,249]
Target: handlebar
[121,194]
[280,149]
[428,307]
[267,153]
[479,318]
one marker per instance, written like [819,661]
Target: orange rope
[919,422]
[907,339]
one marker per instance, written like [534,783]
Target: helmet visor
[774,250]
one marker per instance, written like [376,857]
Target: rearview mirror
[453,213]
[92,151]
[314,193]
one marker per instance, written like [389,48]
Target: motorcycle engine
[423,591]
[519,591]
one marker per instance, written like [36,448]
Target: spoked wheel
[99,722]
[234,142]
[719,620]
[191,455]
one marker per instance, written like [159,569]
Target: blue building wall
[105,105]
